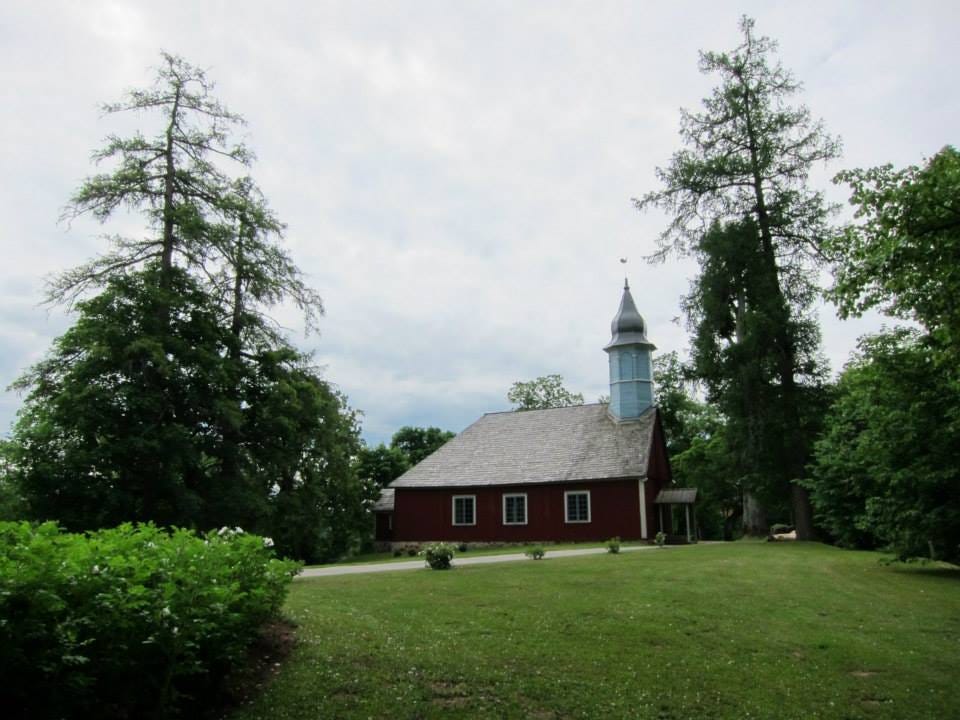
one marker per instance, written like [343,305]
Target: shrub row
[128,622]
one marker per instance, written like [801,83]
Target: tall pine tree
[748,157]
[175,397]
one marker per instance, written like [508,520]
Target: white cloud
[456,178]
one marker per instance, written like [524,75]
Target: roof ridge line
[560,407]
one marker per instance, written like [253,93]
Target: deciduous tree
[416,443]
[903,253]
[381,464]
[886,469]
[544,392]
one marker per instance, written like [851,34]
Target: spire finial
[626,283]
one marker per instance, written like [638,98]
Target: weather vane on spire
[626,284]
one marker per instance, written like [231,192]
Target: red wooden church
[578,473]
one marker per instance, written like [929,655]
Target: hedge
[134,621]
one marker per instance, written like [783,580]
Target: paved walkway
[458,561]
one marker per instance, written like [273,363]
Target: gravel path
[458,561]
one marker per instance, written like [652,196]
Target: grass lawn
[741,630]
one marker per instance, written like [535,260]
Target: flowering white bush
[438,555]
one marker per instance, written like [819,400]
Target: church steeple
[631,370]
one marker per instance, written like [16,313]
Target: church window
[578,506]
[464,509]
[515,509]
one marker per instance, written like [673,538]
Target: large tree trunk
[754,516]
[802,512]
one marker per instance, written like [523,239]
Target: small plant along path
[458,561]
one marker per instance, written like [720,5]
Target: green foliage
[536,552]
[381,464]
[462,547]
[680,411]
[613,545]
[175,398]
[700,455]
[903,254]
[438,555]
[886,469]
[416,443]
[736,322]
[743,176]
[125,422]
[749,154]
[13,506]
[660,539]
[710,466]
[544,392]
[130,621]
[305,438]
[169,176]
[120,421]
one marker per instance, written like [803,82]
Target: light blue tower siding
[631,374]
[631,381]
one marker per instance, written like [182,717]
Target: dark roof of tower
[627,327]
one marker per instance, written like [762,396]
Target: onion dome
[627,327]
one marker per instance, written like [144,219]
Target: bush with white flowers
[136,619]
[438,555]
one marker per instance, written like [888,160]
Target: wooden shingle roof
[581,442]
[384,503]
[676,496]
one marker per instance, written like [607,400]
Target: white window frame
[453,510]
[566,507]
[526,514]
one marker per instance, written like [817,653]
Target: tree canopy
[382,464]
[418,442]
[903,254]
[543,392]
[886,468]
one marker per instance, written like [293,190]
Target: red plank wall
[426,514]
[383,531]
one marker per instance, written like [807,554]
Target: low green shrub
[462,547]
[660,539]
[131,621]
[438,555]
[536,552]
[413,550]
[613,545]
[397,552]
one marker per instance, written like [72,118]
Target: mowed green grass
[741,630]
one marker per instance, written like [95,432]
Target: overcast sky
[455,176]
